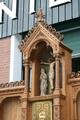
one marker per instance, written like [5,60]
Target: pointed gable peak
[40,18]
[40,21]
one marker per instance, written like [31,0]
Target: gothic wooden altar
[47,63]
[49,91]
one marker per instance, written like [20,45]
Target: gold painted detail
[42,110]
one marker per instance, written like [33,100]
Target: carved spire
[40,16]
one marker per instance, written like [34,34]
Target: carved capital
[26,62]
[23,99]
[1,99]
[57,56]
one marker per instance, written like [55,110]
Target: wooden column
[24,108]
[57,82]
[0,111]
[57,109]
[57,92]
[75,109]
[26,65]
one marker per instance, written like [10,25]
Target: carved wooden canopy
[42,32]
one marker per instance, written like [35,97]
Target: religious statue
[52,76]
[43,85]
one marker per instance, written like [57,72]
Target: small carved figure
[51,76]
[43,85]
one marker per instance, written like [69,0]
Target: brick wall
[4,59]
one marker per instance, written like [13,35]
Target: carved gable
[42,32]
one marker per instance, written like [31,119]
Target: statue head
[42,70]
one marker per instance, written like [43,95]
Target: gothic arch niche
[78,106]
[11,109]
[41,59]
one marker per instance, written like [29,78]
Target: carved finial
[40,16]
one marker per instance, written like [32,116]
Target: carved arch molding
[76,102]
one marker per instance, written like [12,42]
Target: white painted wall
[15,59]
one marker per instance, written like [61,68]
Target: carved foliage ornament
[12,84]
[40,16]
[75,75]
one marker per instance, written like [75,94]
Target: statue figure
[43,85]
[52,76]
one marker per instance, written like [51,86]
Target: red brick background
[4,59]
